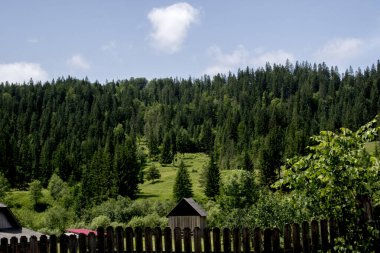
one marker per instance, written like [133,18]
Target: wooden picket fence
[315,236]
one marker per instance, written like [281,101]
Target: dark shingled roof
[10,227]
[9,217]
[187,207]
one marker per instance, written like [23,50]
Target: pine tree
[213,179]
[182,185]
[167,155]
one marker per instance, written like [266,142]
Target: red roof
[80,231]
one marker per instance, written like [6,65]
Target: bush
[56,220]
[4,185]
[100,221]
[151,220]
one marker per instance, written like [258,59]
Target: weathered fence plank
[139,240]
[187,240]
[305,237]
[119,240]
[63,244]
[276,240]
[53,244]
[206,240]
[236,240]
[324,236]
[197,240]
[216,242]
[168,240]
[226,240]
[43,244]
[148,240]
[257,241]
[91,243]
[4,245]
[110,239]
[177,240]
[24,247]
[158,240]
[246,241]
[296,237]
[82,243]
[100,242]
[314,236]
[287,238]
[14,245]
[72,244]
[129,240]
[267,240]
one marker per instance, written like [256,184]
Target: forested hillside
[253,119]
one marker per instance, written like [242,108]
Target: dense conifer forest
[253,119]
[73,153]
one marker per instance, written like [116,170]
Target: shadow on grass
[40,207]
[156,181]
[145,196]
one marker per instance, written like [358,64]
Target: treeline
[254,119]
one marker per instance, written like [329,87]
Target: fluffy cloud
[78,62]
[345,52]
[224,62]
[22,71]
[170,26]
[277,56]
[339,50]
[241,58]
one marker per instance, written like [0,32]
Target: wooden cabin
[187,213]
[10,227]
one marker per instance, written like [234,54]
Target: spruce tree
[167,155]
[182,185]
[212,179]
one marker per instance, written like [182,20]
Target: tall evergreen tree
[213,179]
[167,155]
[182,185]
[127,168]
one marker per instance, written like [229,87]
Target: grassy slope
[371,147]
[22,206]
[162,189]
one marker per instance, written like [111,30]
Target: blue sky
[119,39]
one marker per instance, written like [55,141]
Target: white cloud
[78,62]
[338,51]
[224,62]
[19,72]
[170,26]
[241,58]
[277,56]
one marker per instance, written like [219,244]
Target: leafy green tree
[4,185]
[56,219]
[152,173]
[212,179]
[35,191]
[238,191]
[57,187]
[337,179]
[182,185]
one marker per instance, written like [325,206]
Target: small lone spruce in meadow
[182,185]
